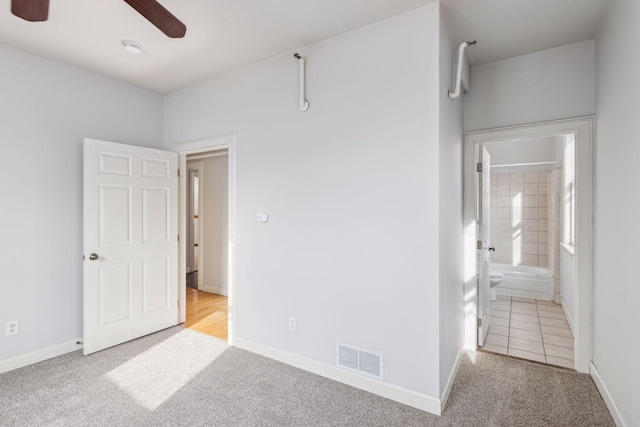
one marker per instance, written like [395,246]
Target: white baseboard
[39,355]
[452,377]
[606,396]
[392,392]
[568,316]
[214,290]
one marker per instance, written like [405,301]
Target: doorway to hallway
[207,265]
[207,278]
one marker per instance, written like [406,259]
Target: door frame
[583,128]
[216,143]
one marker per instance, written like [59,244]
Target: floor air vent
[361,361]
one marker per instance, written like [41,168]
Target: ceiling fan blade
[160,17]
[31,10]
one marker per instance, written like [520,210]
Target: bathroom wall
[555,191]
[519,218]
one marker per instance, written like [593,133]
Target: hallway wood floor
[207,313]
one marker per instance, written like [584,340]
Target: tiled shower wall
[520,218]
[554,189]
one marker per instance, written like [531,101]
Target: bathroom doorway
[531,312]
[528,274]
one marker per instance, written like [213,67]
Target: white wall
[549,85]
[214,221]
[616,294]
[46,110]
[451,243]
[351,187]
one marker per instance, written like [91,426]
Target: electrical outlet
[12,328]
[292,323]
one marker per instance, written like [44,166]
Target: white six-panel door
[130,242]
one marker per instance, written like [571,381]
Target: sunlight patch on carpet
[152,377]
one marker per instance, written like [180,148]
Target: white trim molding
[204,145]
[214,290]
[582,128]
[39,355]
[567,315]
[606,396]
[389,391]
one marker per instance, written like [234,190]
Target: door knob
[492,248]
[94,256]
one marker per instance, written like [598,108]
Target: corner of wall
[606,396]
[450,205]
[614,295]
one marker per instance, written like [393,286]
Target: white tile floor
[530,329]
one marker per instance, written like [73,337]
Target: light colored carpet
[179,377]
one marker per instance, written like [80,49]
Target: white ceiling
[222,35]
[225,35]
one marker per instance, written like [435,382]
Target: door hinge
[178,173]
[178,237]
[479,322]
[478,167]
[479,244]
[178,302]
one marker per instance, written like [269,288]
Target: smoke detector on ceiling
[132,47]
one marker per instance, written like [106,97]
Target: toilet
[495,277]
